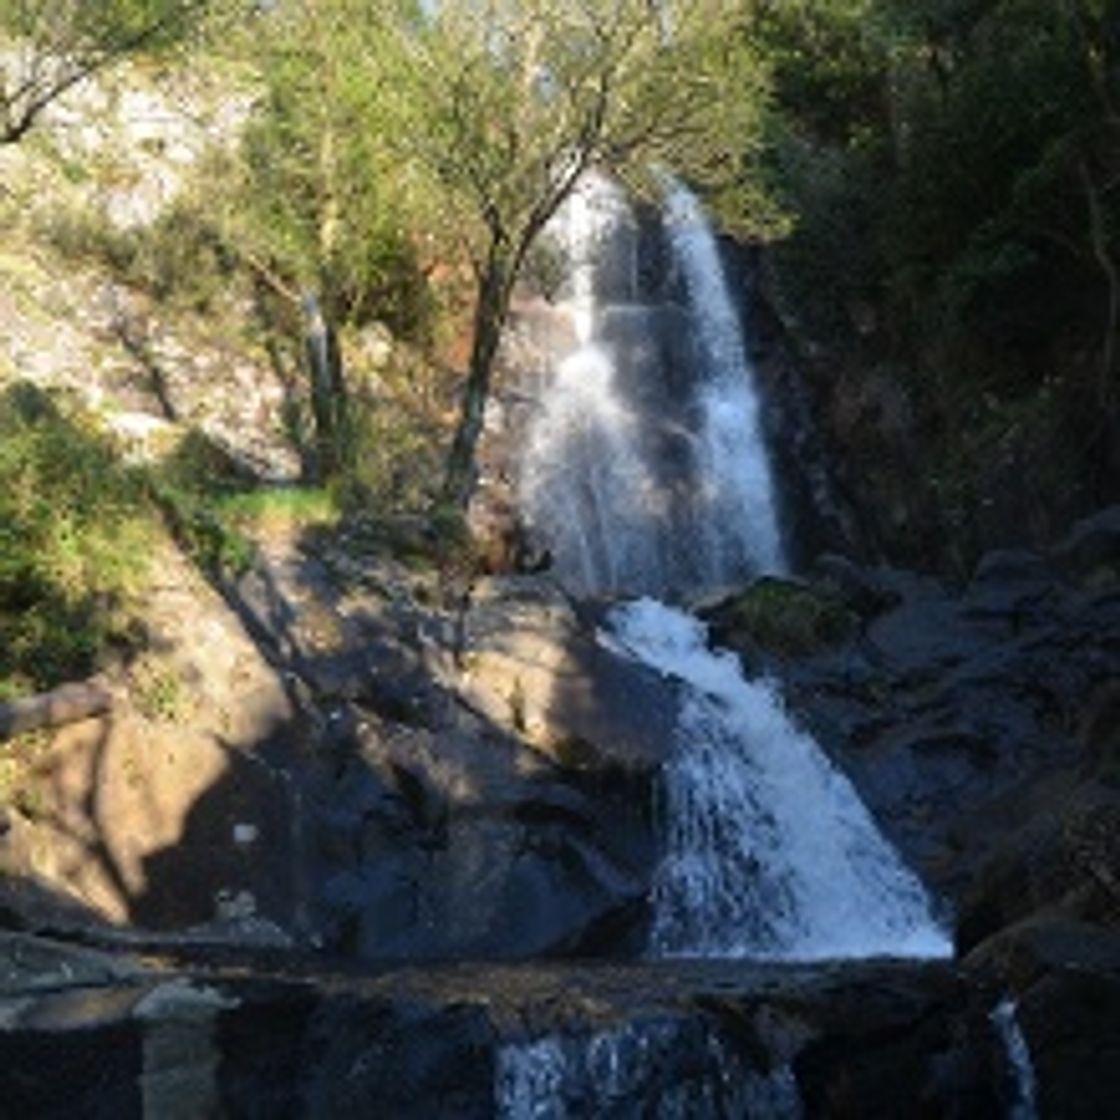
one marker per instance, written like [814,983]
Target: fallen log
[66,704]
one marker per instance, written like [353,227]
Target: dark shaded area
[719,1038]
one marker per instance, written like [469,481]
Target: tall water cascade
[645,470]
[646,476]
[740,515]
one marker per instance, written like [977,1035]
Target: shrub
[74,533]
[788,619]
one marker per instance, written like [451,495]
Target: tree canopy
[48,46]
[500,107]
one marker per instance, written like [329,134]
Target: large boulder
[1065,977]
[529,665]
[453,843]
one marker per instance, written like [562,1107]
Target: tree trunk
[495,285]
[328,390]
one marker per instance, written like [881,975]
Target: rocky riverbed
[473,779]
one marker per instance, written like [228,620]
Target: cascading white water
[1006,1022]
[585,482]
[602,1074]
[645,470]
[646,473]
[594,215]
[768,851]
[733,465]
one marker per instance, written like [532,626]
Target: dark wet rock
[530,665]
[1064,856]
[1065,976]
[1071,1021]
[696,1039]
[1011,586]
[1091,550]
[867,591]
[918,639]
[434,845]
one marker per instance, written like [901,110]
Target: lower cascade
[768,851]
[563,1078]
[1006,1022]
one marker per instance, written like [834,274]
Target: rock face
[90,1034]
[438,844]
[976,725]
[532,667]
[480,788]
[485,784]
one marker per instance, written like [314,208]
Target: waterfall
[768,851]
[645,470]
[739,491]
[1006,1022]
[658,1069]
[645,473]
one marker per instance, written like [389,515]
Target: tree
[317,213]
[49,46]
[502,105]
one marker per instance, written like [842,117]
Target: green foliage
[788,619]
[57,43]
[191,487]
[215,507]
[318,205]
[828,62]
[179,259]
[74,535]
[954,166]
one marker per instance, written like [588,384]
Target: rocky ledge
[87,1033]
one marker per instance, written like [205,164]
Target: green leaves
[74,533]
[51,45]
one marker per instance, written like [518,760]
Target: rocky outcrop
[529,664]
[966,720]
[93,1034]
[455,842]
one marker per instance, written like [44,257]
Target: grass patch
[190,486]
[215,507]
[75,531]
[282,507]
[788,619]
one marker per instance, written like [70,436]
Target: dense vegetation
[936,183]
[954,169]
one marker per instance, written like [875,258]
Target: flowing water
[768,851]
[603,1074]
[646,470]
[741,517]
[646,474]
[1006,1022]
